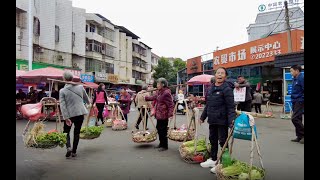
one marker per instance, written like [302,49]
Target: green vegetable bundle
[50,140]
[200,142]
[241,171]
[91,132]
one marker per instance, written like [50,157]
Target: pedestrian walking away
[100,100]
[140,101]
[73,111]
[163,111]
[297,99]
[257,101]
[220,111]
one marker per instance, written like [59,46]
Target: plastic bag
[105,112]
[180,107]
[242,128]
[32,111]
[183,127]
[94,111]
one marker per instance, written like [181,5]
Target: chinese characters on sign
[86,78]
[265,50]
[113,78]
[74,72]
[279,5]
[239,94]
[302,43]
[233,56]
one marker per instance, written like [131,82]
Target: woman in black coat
[220,110]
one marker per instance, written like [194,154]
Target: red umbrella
[19,73]
[41,75]
[200,79]
[91,85]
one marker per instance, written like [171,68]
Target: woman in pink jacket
[101,100]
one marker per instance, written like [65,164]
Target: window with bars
[99,66]
[109,68]
[138,49]
[136,74]
[92,28]
[57,33]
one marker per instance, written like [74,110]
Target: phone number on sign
[265,54]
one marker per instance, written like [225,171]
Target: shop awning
[91,85]
[289,59]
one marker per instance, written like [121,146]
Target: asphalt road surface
[114,156]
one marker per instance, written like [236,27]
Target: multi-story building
[273,22]
[101,47]
[57,38]
[154,62]
[135,58]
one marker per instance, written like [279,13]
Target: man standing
[258,99]
[140,101]
[246,105]
[297,99]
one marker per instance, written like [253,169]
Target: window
[20,19]
[89,65]
[73,39]
[36,26]
[109,68]
[110,34]
[57,32]
[87,28]
[92,28]
[138,49]
[136,74]
[109,50]
[136,61]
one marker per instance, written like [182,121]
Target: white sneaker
[213,170]
[208,163]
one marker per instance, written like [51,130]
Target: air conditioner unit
[59,58]
[39,50]
[75,65]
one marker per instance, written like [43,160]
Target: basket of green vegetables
[239,171]
[194,151]
[91,132]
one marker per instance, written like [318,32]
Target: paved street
[114,156]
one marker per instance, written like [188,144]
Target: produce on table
[241,170]
[91,132]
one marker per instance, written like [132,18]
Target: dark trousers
[125,117]
[162,125]
[257,107]
[100,107]
[217,132]
[245,106]
[77,121]
[141,115]
[298,108]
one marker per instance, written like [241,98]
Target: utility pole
[288,27]
[30,30]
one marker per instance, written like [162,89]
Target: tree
[168,71]
[179,64]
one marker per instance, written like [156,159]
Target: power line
[276,22]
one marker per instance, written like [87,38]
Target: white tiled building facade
[68,36]
[273,22]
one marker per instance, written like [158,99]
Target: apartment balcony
[94,36]
[139,69]
[94,55]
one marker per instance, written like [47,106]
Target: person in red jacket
[163,111]
[125,101]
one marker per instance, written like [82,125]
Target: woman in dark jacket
[163,112]
[101,100]
[220,110]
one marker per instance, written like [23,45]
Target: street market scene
[94,101]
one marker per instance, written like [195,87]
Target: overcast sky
[181,28]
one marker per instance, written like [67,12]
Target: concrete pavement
[114,156]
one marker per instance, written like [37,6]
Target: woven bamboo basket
[220,175]
[30,135]
[180,135]
[194,158]
[108,123]
[119,125]
[144,136]
[86,136]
